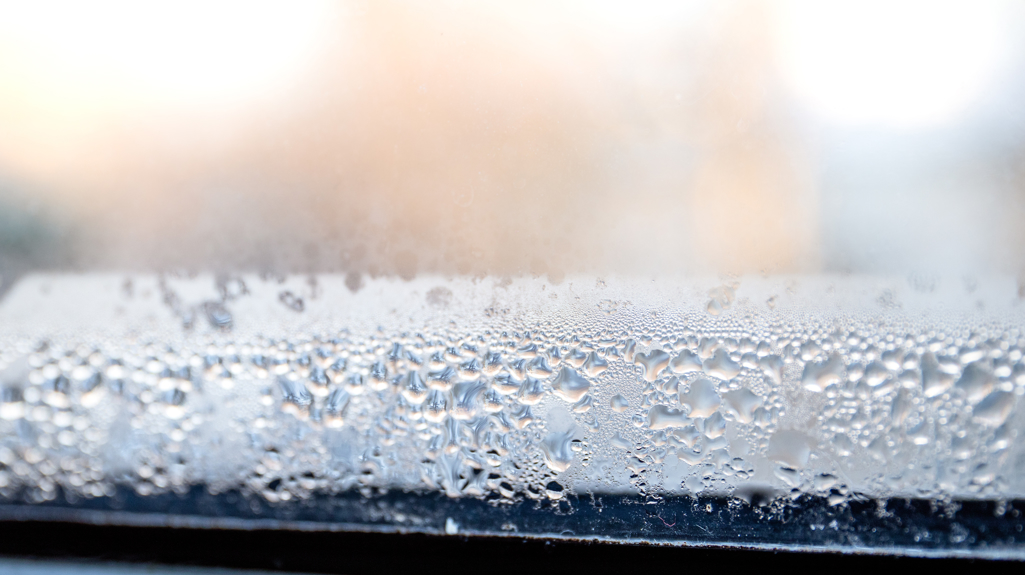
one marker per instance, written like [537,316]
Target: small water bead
[441,379]
[492,364]
[414,390]
[470,369]
[334,408]
[293,391]
[11,405]
[292,301]
[379,377]
[505,384]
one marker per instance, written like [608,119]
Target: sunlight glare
[181,52]
[889,62]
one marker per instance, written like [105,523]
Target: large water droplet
[662,417]
[569,385]
[820,375]
[653,362]
[701,398]
[558,452]
[720,365]
[741,404]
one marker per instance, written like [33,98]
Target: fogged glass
[699,273]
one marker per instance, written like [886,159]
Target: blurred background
[397,138]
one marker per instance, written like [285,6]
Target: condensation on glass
[694,273]
[604,408]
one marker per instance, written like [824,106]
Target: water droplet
[662,417]
[217,315]
[701,398]
[595,365]
[976,382]
[584,405]
[415,391]
[554,490]
[532,392]
[741,404]
[557,450]
[569,385]
[291,301]
[334,408]
[820,375]
[994,409]
[934,380]
[876,373]
[653,363]
[686,362]
[619,403]
[720,365]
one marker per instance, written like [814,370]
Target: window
[703,274]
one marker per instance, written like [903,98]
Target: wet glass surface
[743,274]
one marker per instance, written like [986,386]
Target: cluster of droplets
[693,404]
[935,408]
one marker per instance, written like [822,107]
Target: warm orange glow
[458,138]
